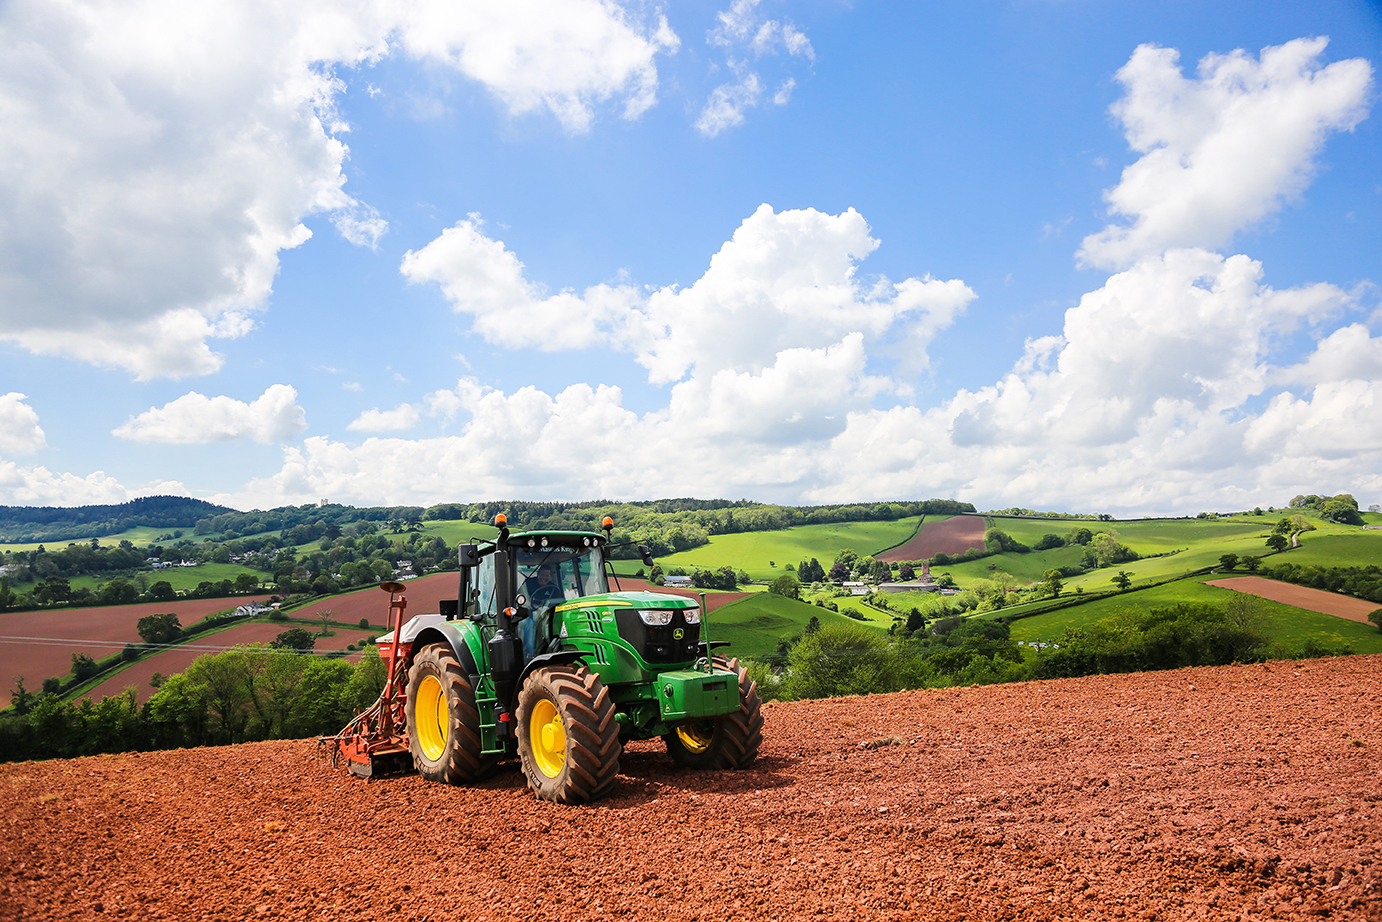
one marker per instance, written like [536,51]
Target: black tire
[443,721]
[568,739]
[727,742]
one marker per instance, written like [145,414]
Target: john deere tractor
[537,658]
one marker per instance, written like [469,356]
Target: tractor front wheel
[443,721]
[568,738]
[726,742]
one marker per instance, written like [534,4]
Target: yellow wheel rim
[696,737]
[433,722]
[547,734]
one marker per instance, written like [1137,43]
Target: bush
[277,615]
[364,624]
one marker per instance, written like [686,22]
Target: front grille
[660,645]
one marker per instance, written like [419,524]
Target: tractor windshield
[551,575]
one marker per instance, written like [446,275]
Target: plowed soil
[40,644]
[954,535]
[1250,792]
[1330,603]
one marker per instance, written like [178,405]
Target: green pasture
[873,617]
[178,577]
[765,554]
[1284,624]
[756,625]
[140,535]
[1333,546]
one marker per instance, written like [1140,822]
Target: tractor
[537,659]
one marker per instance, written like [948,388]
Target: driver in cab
[544,588]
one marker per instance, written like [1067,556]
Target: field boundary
[915,531]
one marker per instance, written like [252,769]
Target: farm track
[1249,792]
[954,535]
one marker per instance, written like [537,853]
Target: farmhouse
[677,582]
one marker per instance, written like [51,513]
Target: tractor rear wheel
[443,721]
[726,742]
[568,738]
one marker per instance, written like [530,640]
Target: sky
[1077,255]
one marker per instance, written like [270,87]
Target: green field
[756,625]
[140,535]
[765,554]
[1284,624]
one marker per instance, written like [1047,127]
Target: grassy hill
[765,554]
[756,625]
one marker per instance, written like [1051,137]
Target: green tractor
[537,658]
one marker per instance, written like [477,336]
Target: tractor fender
[429,629]
[560,658]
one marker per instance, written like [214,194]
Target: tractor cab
[546,571]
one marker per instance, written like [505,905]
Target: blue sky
[1071,255]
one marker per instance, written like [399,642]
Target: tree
[840,659]
[1079,535]
[1123,580]
[83,667]
[326,614]
[916,621]
[295,638]
[906,573]
[656,576]
[1375,616]
[1051,583]
[945,581]
[246,583]
[1048,542]
[1228,561]
[839,572]
[1277,542]
[787,585]
[1251,564]
[161,591]
[159,629]
[23,700]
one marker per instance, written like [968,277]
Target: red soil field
[424,595]
[1237,792]
[955,535]
[97,632]
[179,658]
[1330,603]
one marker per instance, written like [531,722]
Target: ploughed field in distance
[1233,792]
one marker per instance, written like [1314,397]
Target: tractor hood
[638,599]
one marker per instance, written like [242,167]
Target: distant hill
[28,524]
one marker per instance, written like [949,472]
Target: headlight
[656,617]
[692,615]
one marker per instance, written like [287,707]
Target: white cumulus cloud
[195,419]
[1223,150]
[741,32]
[20,433]
[400,418]
[784,280]
[159,155]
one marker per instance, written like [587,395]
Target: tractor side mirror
[647,554]
[468,555]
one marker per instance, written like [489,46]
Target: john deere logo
[678,634]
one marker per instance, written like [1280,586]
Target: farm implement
[536,659]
